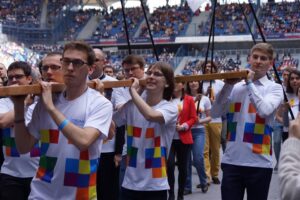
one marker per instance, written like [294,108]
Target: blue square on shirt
[268,130]
[163,152]
[156,162]
[72,165]
[94,165]
[249,128]
[44,148]
[83,180]
[6,132]
[230,116]
[149,153]
[258,139]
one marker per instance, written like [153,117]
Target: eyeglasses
[45,68]
[77,63]
[130,69]
[16,76]
[157,74]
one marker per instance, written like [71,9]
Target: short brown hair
[82,46]
[134,59]
[265,48]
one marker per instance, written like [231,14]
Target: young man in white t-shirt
[17,169]
[250,106]
[70,127]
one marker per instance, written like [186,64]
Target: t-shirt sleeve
[28,112]
[119,116]
[100,115]
[5,106]
[207,104]
[169,112]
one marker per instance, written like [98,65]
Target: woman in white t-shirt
[283,114]
[151,121]
[203,106]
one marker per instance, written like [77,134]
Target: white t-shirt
[16,164]
[217,86]
[204,105]
[250,111]
[64,171]
[148,145]
[294,103]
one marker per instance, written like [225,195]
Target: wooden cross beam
[37,89]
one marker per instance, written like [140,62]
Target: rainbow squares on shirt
[231,124]
[36,150]
[235,107]
[9,143]
[155,159]
[258,133]
[82,173]
[48,137]
[132,133]
[46,168]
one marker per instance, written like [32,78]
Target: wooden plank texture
[36,89]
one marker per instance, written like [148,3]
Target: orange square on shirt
[156,173]
[257,148]
[82,193]
[41,172]
[8,151]
[251,108]
[93,179]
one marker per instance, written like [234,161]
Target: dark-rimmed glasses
[45,68]
[77,63]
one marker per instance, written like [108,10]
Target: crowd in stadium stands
[283,17]
[10,52]
[230,19]
[111,25]
[43,48]
[168,21]
[79,20]
[286,61]
[24,13]
[55,8]
[224,63]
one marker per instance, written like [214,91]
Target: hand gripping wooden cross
[37,89]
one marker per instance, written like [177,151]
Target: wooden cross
[37,89]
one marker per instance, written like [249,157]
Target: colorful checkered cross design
[132,132]
[258,133]
[48,137]
[82,173]
[155,158]
[231,124]
[10,148]
[9,143]
[46,168]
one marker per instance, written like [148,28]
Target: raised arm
[147,111]
[82,138]
[220,105]
[24,140]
